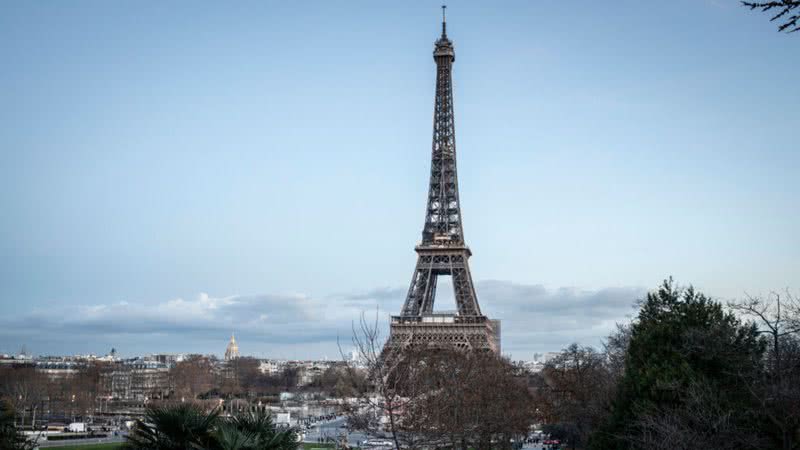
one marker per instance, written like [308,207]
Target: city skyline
[168,182]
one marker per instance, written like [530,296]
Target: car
[378,443]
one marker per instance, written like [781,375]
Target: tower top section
[444,46]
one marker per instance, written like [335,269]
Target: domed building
[232,352]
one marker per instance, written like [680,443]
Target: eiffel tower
[443,251]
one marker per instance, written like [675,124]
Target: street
[333,430]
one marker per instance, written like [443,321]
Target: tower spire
[444,22]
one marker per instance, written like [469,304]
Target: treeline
[33,395]
[687,372]
[94,387]
[199,378]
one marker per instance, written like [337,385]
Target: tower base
[445,331]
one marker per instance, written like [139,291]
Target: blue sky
[174,171]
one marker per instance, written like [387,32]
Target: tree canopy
[682,343]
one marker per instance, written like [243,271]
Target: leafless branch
[784,8]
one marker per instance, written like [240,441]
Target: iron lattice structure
[443,250]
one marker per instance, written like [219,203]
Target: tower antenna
[444,21]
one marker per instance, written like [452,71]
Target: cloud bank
[534,319]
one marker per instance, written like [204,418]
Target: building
[546,357]
[58,369]
[271,367]
[164,358]
[443,250]
[310,371]
[232,352]
[136,379]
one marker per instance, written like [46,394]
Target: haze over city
[172,174]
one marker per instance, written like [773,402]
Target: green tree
[10,437]
[680,341]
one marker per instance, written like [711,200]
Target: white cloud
[533,319]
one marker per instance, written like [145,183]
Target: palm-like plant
[228,437]
[259,432]
[187,427]
[180,427]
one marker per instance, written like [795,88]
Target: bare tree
[615,348]
[777,390]
[787,12]
[25,388]
[86,386]
[576,393]
[430,396]
[192,377]
[702,421]
[382,383]
[474,399]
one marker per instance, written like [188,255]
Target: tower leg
[422,290]
[464,291]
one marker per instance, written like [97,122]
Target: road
[67,442]
[333,429]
